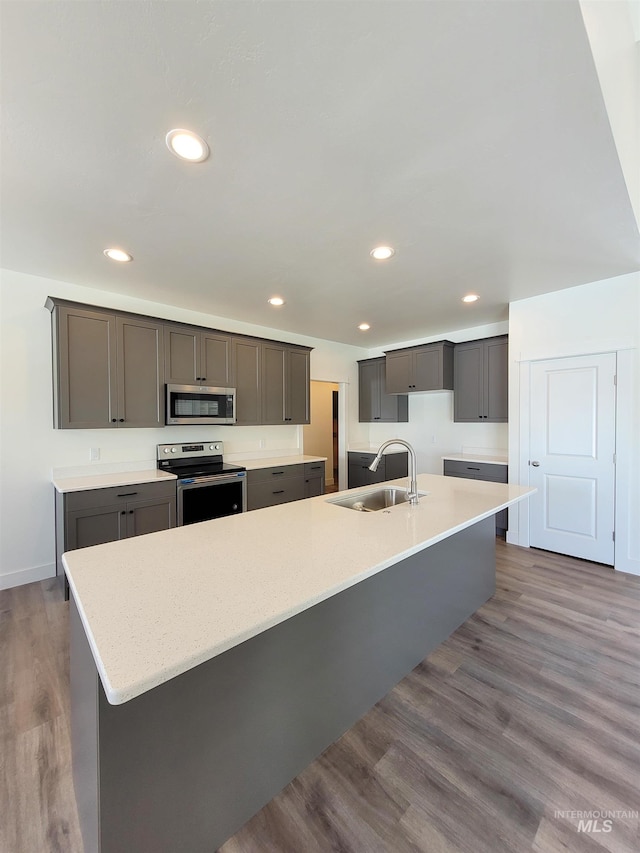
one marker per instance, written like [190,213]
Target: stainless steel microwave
[200,404]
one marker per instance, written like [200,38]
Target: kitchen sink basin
[374,501]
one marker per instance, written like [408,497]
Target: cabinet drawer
[363,458]
[313,469]
[121,494]
[475,470]
[277,472]
[272,493]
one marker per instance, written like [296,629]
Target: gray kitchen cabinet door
[297,391]
[399,373]
[374,404]
[368,391]
[423,368]
[468,395]
[497,379]
[140,373]
[285,384]
[216,364]
[94,526]
[428,375]
[247,359]
[181,355]
[274,367]
[481,381]
[85,386]
[314,479]
[150,516]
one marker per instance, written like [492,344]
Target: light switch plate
[94,454]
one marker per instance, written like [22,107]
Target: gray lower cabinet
[428,367]
[374,404]
[481,471]
[276,485]
[107,369]
[96,516]
[314,479]
[392,466]
[197,355]
[481,380]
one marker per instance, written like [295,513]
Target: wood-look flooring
[531,708]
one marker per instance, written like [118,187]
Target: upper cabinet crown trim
[54,301]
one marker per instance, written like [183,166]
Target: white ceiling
[472,136]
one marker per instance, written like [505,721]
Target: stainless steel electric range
[208,487]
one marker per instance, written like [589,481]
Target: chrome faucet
[413,467]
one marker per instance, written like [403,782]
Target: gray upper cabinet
[107,369]
[374,404]
[285,384]
[84,347]
[197,356]
[423,368]
[139,372]
[110,368]
[481,380]
[247,363]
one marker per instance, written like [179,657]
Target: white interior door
[572,444]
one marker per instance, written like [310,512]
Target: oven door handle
[195,482]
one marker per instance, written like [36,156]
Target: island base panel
[185,765]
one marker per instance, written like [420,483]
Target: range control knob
[166,450]
[213,447]
[174,449]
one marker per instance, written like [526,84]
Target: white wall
[599,317]
[30,448]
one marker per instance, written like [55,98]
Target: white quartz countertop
[104,481]
[155,606]
[373,448]
[274,461]
[476,457]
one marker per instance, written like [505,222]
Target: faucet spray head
[375,463]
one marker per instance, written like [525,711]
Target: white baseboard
[22,576]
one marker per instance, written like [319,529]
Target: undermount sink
[374,501]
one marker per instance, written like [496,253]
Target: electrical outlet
[94,454]
[433,439]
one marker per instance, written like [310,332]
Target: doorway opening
[321,437]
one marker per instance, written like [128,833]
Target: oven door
[204,498]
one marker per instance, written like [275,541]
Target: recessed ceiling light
[382,253]
[276,300]
[470,297]
[118,255]
[364,326]
[187,145]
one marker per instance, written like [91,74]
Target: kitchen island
[211,663]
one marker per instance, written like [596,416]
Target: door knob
[536,464]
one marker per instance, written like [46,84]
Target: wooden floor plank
[530,709]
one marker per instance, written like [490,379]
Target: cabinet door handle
[113,420]
[124,512]
[126,494]
[121,420]
[279,492]
[471,468]
[130,512]
[203,379]
[276,473]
